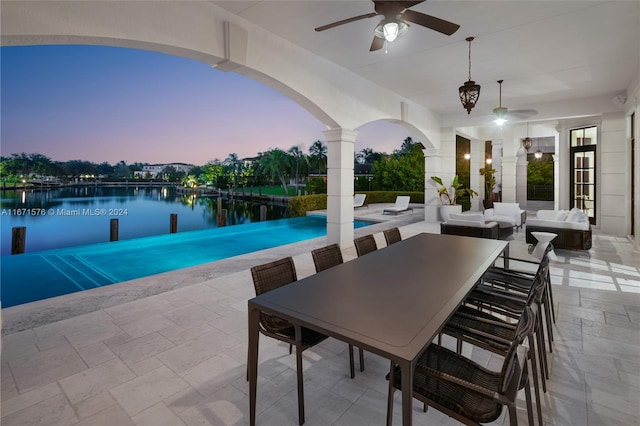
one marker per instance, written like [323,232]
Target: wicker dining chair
[366,244]
[465,390]
[512,289]
[392,236]
[490,332]
[325,258]
[268,277]
[522,280]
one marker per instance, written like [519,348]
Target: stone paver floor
[178,357]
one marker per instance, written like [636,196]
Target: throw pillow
[575,215]
[561,216]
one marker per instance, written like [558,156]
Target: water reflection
[69,216]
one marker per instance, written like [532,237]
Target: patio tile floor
[179,357]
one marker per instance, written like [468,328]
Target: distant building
[153,170]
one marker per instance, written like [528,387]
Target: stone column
[431,200]
[509,179]
[340,150]
[556,178]
[521,180]
[476,162]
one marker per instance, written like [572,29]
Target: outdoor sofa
[470,225]
[572,227]
[506,212]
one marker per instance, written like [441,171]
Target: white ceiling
[545,51]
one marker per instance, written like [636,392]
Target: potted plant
[489,186]
[449,195]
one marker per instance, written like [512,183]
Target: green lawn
[270,190]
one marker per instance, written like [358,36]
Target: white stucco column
[431,200]
[556,178]
[521,180]
[509,179]
[340,150]
[476,162]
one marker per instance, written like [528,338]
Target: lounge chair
[358,200]
[401,205]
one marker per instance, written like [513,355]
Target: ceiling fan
[393,25]
[502,114]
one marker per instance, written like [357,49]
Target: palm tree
[189,181]
[297,154]
[367,156]
[275,163]
[407,146]
[318,152]
[233,163]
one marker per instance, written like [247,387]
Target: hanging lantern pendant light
[469,91]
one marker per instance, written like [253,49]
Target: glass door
[583,170]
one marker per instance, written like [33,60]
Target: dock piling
[113,230]
[222,218]
[18,238]
[173,223]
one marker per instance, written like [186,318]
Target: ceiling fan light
[500,114]
[391,29]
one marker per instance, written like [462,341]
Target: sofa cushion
[582,226]
[506,209]
[550,214]
[469,217]
[561,216]
[471,223]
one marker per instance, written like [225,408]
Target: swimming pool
[40,275]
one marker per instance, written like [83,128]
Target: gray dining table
[391,302]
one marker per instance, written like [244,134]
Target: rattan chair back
[270,276]
[365,244]
[327,257]
[465,390]
[392,236]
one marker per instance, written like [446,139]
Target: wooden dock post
[263,213]
[173,223]
[222,218]
[113,230]
[18,238]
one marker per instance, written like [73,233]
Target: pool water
[40,275]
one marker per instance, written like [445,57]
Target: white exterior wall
[613,193]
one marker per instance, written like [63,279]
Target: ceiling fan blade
[377,44]
[346,21]
[390,8]
[522,113]
[436,24]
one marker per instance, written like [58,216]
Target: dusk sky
[109,104]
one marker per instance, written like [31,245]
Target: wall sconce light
[489,160]
[467,156]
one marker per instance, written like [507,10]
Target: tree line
[402,170]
